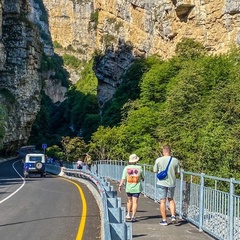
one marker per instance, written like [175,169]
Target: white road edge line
[18,188]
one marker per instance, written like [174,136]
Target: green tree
[140,125]
[154,82]
[88,82]
[190,49]
[109,143]
[73,148]
[55,152]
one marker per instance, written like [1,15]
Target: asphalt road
[50,208]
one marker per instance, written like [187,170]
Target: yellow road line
[84,211]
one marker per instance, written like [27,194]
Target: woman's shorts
[136,195]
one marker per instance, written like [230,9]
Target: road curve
[48,208]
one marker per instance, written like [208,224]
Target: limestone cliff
[147,26]
[20,83]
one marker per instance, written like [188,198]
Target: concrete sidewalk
[147,225]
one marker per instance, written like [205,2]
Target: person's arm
[121,184]
[142,176]
[122,181]
[155,167]
[178,169]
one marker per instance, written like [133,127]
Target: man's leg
[163,209]
[172,206]
[162,197]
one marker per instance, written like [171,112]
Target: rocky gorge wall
[20,82]
[146,27]
[151,26]
[118,30]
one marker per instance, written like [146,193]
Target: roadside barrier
[200,199]
[211,209]
[114,225]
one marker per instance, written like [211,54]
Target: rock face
[153,27]
[20,83]
[148,26]
[55,90]
[119,31]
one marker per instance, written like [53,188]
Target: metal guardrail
[214,211]
[210,209]
[113,218]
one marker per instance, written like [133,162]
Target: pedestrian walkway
[147,225]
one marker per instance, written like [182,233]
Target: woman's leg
[134,206]
[129,205]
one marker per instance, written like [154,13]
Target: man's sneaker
[173,219]
[163,223]
[133,219]
[128,217]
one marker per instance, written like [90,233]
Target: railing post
[116,169]
[201,202]
[155,187]
[231,209]
[144,183]
[99,168]
[181,195]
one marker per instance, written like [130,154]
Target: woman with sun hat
[132,176]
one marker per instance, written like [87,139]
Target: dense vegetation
[190,101]
[77,116]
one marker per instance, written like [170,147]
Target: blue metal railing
[209,208]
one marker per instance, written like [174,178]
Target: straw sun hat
[133,158]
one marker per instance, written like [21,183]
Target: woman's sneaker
[133,219]
[128,217]
[173,219]
[163,223]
